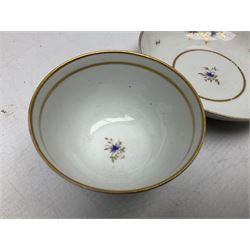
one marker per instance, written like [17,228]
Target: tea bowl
[116,121]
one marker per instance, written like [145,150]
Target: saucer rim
[215,115]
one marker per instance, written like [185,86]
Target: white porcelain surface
[214,186]
[216,64]
[116,122]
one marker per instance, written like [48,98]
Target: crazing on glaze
[210,75]
[116,150]
[206,36]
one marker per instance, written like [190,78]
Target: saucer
[216,63]
[116,121]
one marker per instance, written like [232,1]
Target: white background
[214,186]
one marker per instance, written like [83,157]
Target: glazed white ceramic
[216,64]
[116,121]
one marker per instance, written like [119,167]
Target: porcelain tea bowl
[116,121]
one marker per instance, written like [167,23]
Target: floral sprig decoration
[210,75]
[117,151]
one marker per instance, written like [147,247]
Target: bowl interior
[116,124]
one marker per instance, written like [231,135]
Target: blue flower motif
[116,149]
[213,33]
[210,75]
[206,36]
